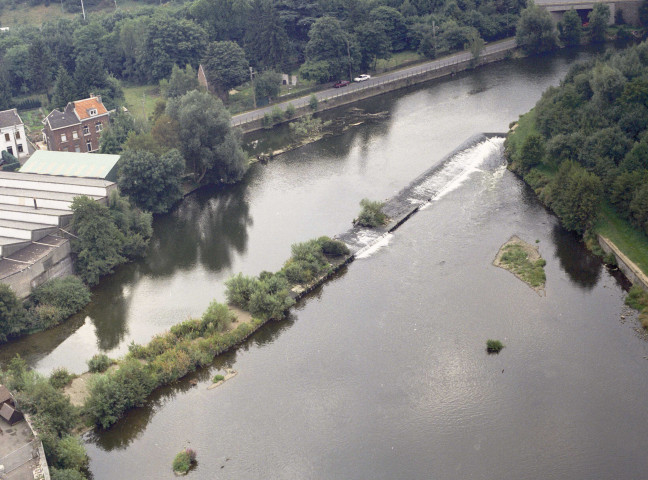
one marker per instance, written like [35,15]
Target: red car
[341,83]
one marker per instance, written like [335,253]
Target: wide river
[383,372]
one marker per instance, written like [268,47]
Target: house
[8,410]
[12,134]
[78,127]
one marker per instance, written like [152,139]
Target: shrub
[277,114]
[637,298]
[371,214]
[13,316]
[60,378]
[218,378]
[239,290]
[267,120]
[58,299]
[66,474]
[71,453]
[312,102]
[270,298]
[494,346]
[99,363]
[333,247]
[217,317]
[290,110]
[51,407]
[183,460]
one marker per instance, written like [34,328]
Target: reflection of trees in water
[207,227]
[583,267]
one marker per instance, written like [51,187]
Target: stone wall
[629,269]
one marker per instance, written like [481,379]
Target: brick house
[12,134]
[78,127]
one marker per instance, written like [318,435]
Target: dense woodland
[586,141]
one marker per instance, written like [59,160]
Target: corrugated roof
[9,118]
[83,107]
[70,164]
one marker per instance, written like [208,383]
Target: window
[86,130]
[98,127]
[10,150]
[89,146]
[93,112]
[20,148]
[17,135]
[7,137]
[75,134]
[77,148]
[63,137]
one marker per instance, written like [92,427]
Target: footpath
[335,97]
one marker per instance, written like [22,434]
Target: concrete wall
[56,263]
[374,90]
[629,269]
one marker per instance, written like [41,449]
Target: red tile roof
[82,107]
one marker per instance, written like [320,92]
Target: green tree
[206,138]
[152,183]
[639,208]
[114,137]
[571,28]
[225,66]
[393,24]
[598,18]
[267,85]
[266,40]
[64,89]
[532,152]
[39,66]
[373,43]
[180,82]
[536,32]
[13,316]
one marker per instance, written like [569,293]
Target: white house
[12,134]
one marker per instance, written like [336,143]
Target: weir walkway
[251,120]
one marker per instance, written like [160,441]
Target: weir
[430,186]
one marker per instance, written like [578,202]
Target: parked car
[341,83]
[362,78]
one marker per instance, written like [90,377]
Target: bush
[494,346]
[239,290]
[218,378]
[184,460]
[58,299]
[371,214]
[13,316]
[99,363]
[637,298]
[290,110]
[71,453]
[277,114]
[332,247]
[267,120]
[60,378]
[217,317]
[312,102]
[66,474]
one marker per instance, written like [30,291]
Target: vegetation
[184,460]
[371,215]
[583,149]
[536,32]
[516,259]
[99,363]
[218,378]
[638,299]
[494,346]
[60,377]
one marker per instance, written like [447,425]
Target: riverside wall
[389,86]
[629,269]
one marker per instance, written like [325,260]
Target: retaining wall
[629,269]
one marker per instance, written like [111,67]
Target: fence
[376,83]
[21,456]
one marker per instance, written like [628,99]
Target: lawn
[632,242]
[140,99]
[32,119]
[398,59]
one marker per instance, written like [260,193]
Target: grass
[218,378]
[525,127]
[140,99]
[494,346]
[517,260]
[632,242]
[398,59]
[32,119]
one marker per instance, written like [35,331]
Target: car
[341,83]
[362,78]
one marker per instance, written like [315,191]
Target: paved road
[252,115]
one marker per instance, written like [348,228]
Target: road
[322,95]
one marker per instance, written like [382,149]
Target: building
[12,134]
[66,164]
[78,127]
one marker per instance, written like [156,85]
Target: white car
[362,78]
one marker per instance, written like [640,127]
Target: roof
[9,118]
[83,107]
[71,164]
[57,119]
[10,414]
[5,394]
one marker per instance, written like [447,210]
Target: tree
[267,85]
[13,316]
[373,42]
[64,89]
[152,183]
[39,66]
[536,32]
[531,152]
[266,40]
[114,137]
[207,140]
[393,25]
[89,76]
[598,18]
[571,28]
[180,82]
[225,66]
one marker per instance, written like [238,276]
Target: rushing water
[382,373]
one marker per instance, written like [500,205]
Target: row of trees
[586,141]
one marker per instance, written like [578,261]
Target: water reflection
[583,267]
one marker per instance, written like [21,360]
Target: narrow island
[524,261]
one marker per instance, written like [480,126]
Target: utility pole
[346,40]
[83,10]
[434,36]
[252,82]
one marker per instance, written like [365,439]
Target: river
[382,373]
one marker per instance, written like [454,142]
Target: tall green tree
[373,42]
[536,31]
[267,85]
[39,66]
[571,28]
[13,316]
[180,82]
[64,89]
[225,66]
[598,18]
[153,183]
[207,141]
[394,26]
[266,41]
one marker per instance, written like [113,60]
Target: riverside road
[388,77]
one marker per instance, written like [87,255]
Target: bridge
[628,8]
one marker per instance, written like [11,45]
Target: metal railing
[20,456]
[372,83]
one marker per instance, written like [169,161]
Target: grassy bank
[632,242]
[140,99]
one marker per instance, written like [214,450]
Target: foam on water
[372,248]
